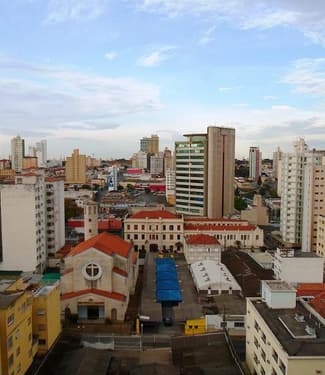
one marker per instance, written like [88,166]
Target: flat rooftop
[6,299]
[299,332]
[279,285]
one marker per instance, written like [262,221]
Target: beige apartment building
[320,247]
[284,335]
[75,168]
[205,173]
[150,145]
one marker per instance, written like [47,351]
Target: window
[239,324]
[41,342]
[282,367]
[262,371]
[18,351]
[92,271]
[41,327]
[171,236]
[142,227]
[40,312]
[257,327]
[11,319]
[171,227]
[135,227]
[275,356]
[143,237]
[9,342]
[263,337]
[135,236]
[263,355]
[256,342]
[11,360]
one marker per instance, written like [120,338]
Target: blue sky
[98,75]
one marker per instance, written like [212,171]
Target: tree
[240,204]
[71,209]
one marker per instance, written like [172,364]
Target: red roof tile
[310,289]
[106,243]
[212,227]
[201,239]
[99,292]
[154,215]
[119,271]
[203,219]
[318,303]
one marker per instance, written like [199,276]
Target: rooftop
[279,285]
[299,332]
[201,239]
[157,214]
[6,298]
[104,242]
[214,227]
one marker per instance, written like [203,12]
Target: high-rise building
[301,201]
[205,173]
[41,153]
[17,153]
[150,145]
[255,163]
[168,160]
[157,164]
[314,205]
[75,168]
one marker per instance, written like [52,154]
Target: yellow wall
[46,318]
[195,327]
[19,334]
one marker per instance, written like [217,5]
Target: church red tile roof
[104,242]
[99,292]
[201,239]
[154,215]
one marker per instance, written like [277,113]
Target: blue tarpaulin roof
[167,286]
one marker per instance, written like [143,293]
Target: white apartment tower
[205,173]
[23,236]
[41,153]
[17,153]
[292,180]
[255,163]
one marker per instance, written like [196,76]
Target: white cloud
[156,57]
[207,36]
[307,76]
[306,16]
[110,55]
[224,89]
[65,10]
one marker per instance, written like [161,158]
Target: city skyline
[99,75]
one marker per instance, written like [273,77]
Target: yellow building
[75,168]
[195,327]
[284,335]
[46,316]
[16,338]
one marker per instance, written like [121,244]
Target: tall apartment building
[314,201]
[205,173]
[292,181]
[157,164]
[320,247]
[41,153]
[255,163]
[55,226]
[75,168]
[284,335]
[17,153]
[32,222]
[168,160]
[150,145]
[170,186]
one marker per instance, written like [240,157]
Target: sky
[99,75]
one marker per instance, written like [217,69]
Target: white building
[255,162]
[141,160]
[41,153]
[170,186]
[157,164]
[198,247]
[292,192]
[23,235]
[284,336]
[298,267]
[212,278]
[17,153]
[55,219]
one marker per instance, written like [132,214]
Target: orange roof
[154,215]
[99,292]
[119,271]
[106,243]
[310,289]
[201,239]
[53,179]
[318,304]
[202,219]
[219,227]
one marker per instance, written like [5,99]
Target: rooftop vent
[299,317]
[310,330]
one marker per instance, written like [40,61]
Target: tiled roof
[212,227]
[318,303]
[154,215]
[221,220]
[119,271]
[104,224]
[310,289]
[53,179]
[104,242]
[99,292]
[201,239]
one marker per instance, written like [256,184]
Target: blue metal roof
[167,286]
